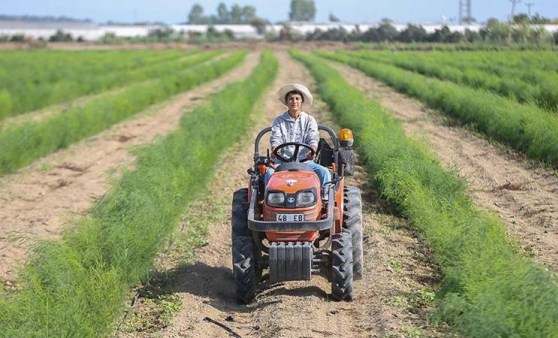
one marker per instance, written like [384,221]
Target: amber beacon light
[346,137]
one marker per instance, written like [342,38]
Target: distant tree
[17,38]
[259,25]
[521,19]
[60,36]
[109,38]
[413,33]
[287,33]
[332,34]
[333,18]
[228,34]
[471,36]
[302,10]
[444,34]
[384,32]
[162,33]
[496,31]
[236,14]
[223,15]
[213,35]
[196,15]
[248,14]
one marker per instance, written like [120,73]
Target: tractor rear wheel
[240,213]
[244,269]
[239,219]
[342,266]
[352,221]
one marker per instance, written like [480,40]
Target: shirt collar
[288,117]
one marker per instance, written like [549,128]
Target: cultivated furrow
[523,196]
[395,267]
[40,200]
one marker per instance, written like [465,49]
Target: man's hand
[272,153]
[310,155]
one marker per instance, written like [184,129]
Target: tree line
[494,32]
[300,10]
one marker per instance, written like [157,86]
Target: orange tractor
[294,227]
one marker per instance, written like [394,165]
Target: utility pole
[465,15]
[529,5]
[514,2]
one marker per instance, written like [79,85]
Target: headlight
[305,198]
[275,198]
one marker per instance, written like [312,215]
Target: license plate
[290,217]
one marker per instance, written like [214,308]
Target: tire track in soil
[295,309]
[524,195]
[41,200]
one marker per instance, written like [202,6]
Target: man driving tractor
[297,217]
[295,125]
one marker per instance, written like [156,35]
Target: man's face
[294,101]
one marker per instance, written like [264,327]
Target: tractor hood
[290,182]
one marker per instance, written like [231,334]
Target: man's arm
[276,134]
[312,135]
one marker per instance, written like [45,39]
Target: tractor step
[290,261]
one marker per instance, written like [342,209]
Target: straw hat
[295,87]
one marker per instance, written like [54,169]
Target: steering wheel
[294,157]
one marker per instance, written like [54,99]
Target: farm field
[188,291]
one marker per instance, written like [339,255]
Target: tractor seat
[293,166]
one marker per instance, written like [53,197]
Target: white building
[92,31]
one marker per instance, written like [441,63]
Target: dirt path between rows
[40,200]
[396,268]
[525,197]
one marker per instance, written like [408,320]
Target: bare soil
[41,200]
[389,301]
[523,194]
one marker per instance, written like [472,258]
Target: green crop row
[23,144]
[524,127]
[488,289]
[500,62]
[76,287]
[532,85]
[518,60]
[55,65]
[23,93]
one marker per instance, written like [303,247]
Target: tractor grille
[290,261]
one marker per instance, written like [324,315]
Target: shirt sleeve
[312,133]
[276,134]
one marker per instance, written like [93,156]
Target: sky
[350,11]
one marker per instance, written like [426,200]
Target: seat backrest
[325,153]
